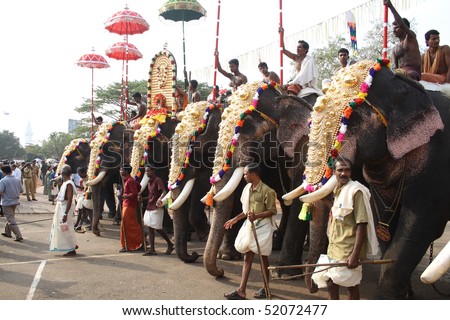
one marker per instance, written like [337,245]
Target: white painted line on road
[36,279]
[71,258]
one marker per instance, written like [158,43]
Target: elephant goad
[400,134]
[271,130]
[76,154]
[193,145]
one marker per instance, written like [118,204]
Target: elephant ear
[293,122]
[412,121]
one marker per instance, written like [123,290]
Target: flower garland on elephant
[242,103]
[343,86]
[186,133]
[71,147]
[101,137]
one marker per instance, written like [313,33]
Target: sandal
[260,294]
[234,295]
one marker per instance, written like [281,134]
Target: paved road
[100,272]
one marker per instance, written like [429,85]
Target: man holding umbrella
[258,204]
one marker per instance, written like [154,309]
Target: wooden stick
[265,278]
[333,264]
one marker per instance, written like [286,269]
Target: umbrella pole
[217,48]
[126,81]
[281,42]
[92,105]
[184,56]
[385,32]
[121,92]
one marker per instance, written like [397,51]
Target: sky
[43,39]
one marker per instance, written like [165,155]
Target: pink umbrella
[124,51]
[126,23]
[93,61]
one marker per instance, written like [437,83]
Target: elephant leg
[96,195]
[408,247]
[197,216]
[294,238]
[278,234]
[110,201]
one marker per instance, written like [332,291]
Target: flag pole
[217,48]
[281,42]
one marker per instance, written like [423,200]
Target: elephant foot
[229,256]
[96,232]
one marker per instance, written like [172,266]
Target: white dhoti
[264,232]
[154,218]
[62,240]
[342,276]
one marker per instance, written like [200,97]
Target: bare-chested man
[436,60]
[268,75]
[304,84]
[235,75]
[406,54]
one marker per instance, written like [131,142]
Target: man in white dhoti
[258,205]
[304,84]
[351,234]
[62,234]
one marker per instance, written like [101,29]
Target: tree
[107,104]
[33,151]
[326,58]
[10,147]
[53,146]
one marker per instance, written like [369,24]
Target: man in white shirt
[16,172]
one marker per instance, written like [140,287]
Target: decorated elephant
[272,131]
[110,149]
[400,134]
[193,146]
[76,154]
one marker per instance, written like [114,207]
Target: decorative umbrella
[93,61]
[126,23]
[182,10]
[124,51]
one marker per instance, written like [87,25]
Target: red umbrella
[93,61]
[124,51]
[126,23]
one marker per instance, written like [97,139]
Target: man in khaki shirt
[261,208]
[347,233]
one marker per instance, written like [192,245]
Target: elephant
[275,135]
[110,149]
[399,134]
[76,154]
[195,136]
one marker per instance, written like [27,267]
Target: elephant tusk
[99,178]
[438,267]
[144,183]
[166,197]
[297,192]
[322,192]
[203,200]
[183,195]
[231,185]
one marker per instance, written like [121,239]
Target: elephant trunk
[231,185]
[221,214]
[181,232]
[322,192]
[317,238]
